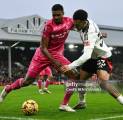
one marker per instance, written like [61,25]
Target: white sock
[120,99]
[81,97]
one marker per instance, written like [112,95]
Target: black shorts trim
[92,65]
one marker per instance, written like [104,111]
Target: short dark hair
[57,7]
[80,15]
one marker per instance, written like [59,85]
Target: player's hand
[70,73]
[64,68]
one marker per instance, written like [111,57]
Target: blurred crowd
[21,59]
[19,71]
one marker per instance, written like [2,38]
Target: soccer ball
[29,107]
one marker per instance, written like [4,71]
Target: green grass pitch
[99,105]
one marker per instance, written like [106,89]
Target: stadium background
[18,40]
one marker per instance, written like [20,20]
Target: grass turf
[99,105]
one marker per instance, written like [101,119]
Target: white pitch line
[18,118]
[107,118]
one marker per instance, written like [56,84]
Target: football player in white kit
[96,58]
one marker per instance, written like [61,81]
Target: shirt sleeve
[88,49]
[47,31]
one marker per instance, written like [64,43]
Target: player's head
[57,13]
[80,19]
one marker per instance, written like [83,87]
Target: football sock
[67,96]
[15,85]
[81,90]
[120,99]
[47,83]
[110,88]
[68,93]
[81,97]
[39,84]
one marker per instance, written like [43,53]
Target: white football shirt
[94,47]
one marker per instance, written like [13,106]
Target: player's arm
[86,55]
[89,45]
[88,49]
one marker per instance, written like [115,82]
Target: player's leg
[21,82]
[39,84]
[48,73]
[64,104]
[81,96]
[49,78]
[82,101]
[33,70]
[47,84]
[82,89]
[68,93]
[69,89]
[86,71]
[103,81]
[104,68]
